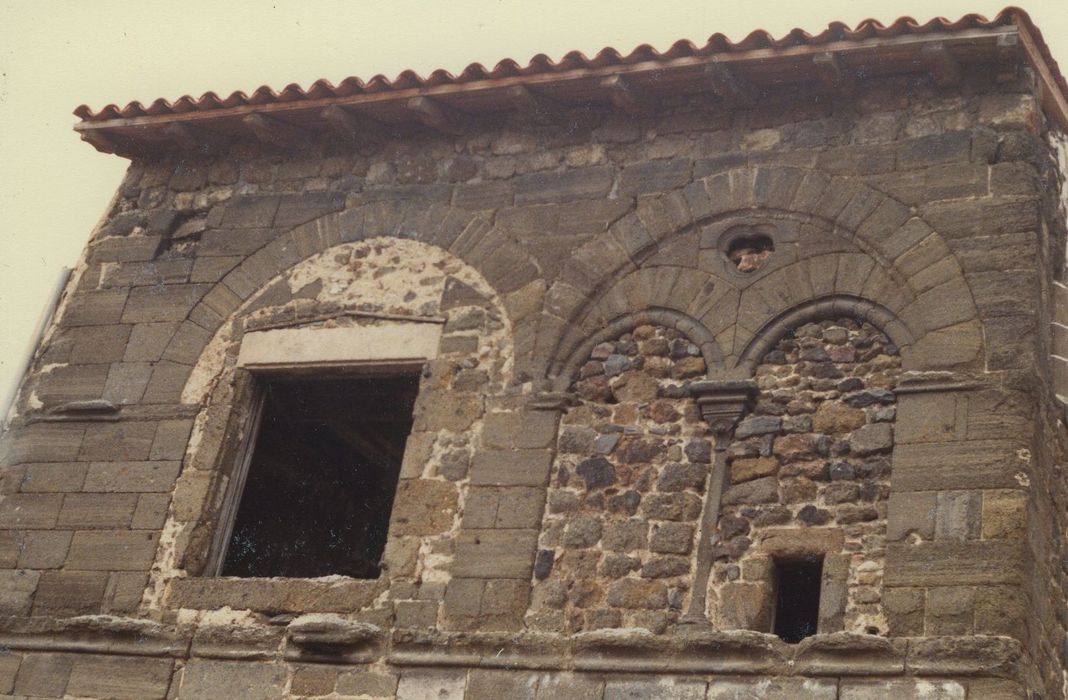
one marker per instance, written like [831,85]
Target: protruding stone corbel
[943,65]
[723,403]
[728,86]
[329,636]
[833,74]
[535,105]
[1008,49]
[623,96]
[275,132]
[438,116]
[352,126]
[193,138]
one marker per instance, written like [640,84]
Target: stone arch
[469,236]
[899,260]
[687,325]
[823,309]
[465,373]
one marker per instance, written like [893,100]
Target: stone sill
[275,595]
[331,639]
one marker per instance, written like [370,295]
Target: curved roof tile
[542,64]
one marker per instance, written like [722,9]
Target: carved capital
[723,403]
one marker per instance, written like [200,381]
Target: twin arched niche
[833,240]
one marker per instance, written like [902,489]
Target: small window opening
[797,599]
[750,253]
[321,477]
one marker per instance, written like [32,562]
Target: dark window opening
[749,253]
[321,478]
[797,599]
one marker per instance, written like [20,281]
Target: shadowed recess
[322,478]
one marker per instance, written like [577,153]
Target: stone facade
[672,347]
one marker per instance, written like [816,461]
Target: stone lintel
[387,342]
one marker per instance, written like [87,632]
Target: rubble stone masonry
[876,269]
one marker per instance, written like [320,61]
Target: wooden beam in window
[275,132]
[833,73]
[942,63]
[438,116]
[353,126]
[729,86]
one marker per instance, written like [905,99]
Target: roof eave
[725,77]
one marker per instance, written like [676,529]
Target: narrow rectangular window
[319,483]
[797,597]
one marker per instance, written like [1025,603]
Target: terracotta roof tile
[607,57]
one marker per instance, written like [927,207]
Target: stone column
[723,403]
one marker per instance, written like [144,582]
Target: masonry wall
[547,525]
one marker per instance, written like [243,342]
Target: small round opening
[750,253]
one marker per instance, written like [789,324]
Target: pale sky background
[56,55]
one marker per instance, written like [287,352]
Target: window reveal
[797,597]
[321,477]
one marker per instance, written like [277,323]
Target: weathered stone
[637,594]
[583,183]
[676,477]
[255,681]
[655,176]
[634,386]
[495,554]
[582,532]
[699,451]
[625,536]
[950,610]
[528,430]
[788,542]
[376,685]
[596,472]
[870,439]
[745,606]
[1004,514]
[671,538]
[764,490]
[748,469]
[953,562]
[17,591]
[112,550]
[911,512]
[671,506]
[958,515]
[423,507]
[758,425]
[511,468]
[834,418]
[793,447]
[120,678]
